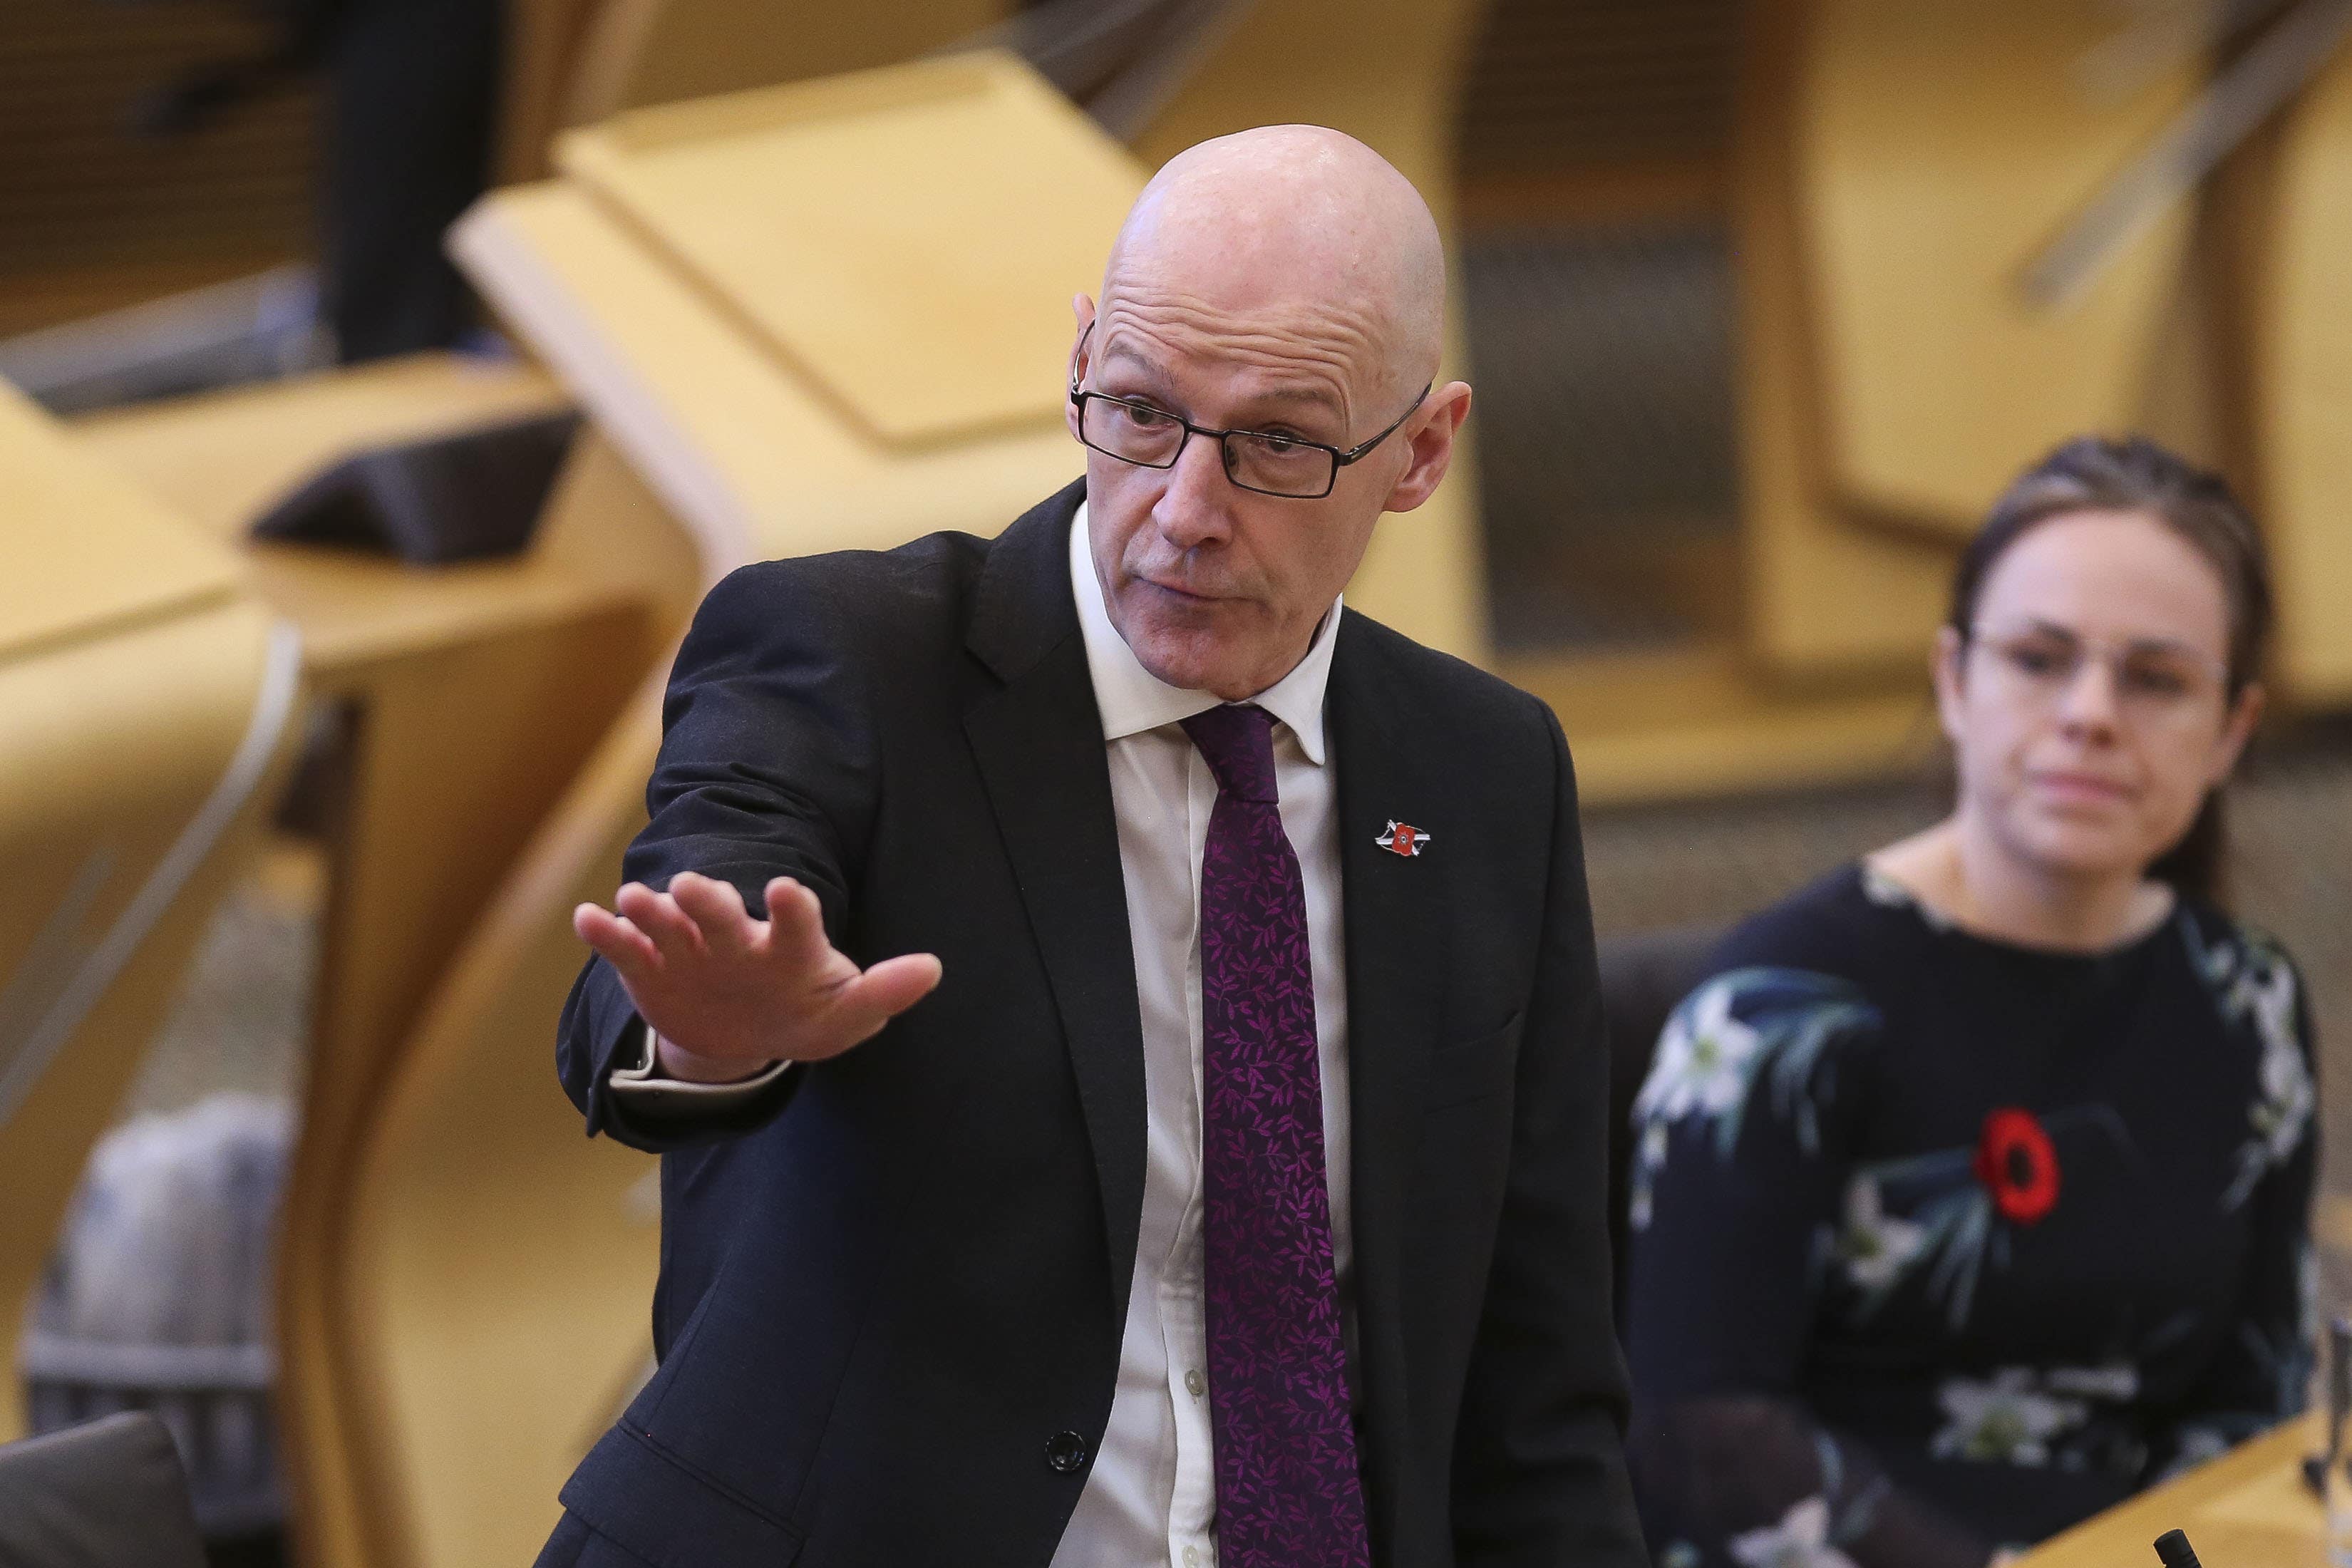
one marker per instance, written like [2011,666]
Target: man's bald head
[1288,284]
[1277,226]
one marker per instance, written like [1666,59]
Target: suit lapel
[1038,741]
[1396,937]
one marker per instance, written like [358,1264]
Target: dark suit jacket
[892,1295]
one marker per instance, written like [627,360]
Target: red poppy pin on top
[1401,838]
[2017,1165]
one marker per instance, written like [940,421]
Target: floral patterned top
[1941,1243]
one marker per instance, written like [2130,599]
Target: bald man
[1121,1027]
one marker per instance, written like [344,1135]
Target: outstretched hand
[727,994]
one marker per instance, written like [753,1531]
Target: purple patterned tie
[1288,1495]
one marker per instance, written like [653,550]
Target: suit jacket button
[1067,1452]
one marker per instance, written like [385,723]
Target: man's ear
[1083,309]
[1429,442]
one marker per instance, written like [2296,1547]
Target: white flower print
[2254,985]
[1800,1540]
[1703,1059]
[2279,1117]
[2118,1382]
[1714,1066]
[2005,1421]
[1873,1246]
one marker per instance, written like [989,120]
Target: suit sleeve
[768,768]
[1539,1478]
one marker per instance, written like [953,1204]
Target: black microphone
[2173,1547]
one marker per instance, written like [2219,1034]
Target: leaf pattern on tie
[1289,1494]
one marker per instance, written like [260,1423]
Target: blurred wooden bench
[466,699]
[146,708]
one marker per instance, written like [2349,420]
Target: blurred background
[346,549]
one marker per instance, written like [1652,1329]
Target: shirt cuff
[645,1087]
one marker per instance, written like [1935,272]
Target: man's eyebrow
[1295,395]
[1116,350]
[1318,396]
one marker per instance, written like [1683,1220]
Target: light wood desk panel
[2248,1509]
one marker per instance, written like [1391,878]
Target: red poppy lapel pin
[1401,838]
[2017,1165]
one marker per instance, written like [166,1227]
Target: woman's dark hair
[2093,474]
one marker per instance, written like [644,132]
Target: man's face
[1215,587]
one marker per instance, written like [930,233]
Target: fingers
[618,941]
[862,1006]
[796,920]
[717,910]
[658,916]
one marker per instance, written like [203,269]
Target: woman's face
[2089,708]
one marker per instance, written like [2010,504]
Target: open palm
[727,994]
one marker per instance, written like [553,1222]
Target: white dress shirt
[1150,1498]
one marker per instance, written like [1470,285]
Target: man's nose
[1194,508]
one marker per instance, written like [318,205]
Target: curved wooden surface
[461,747]
[576,62]
[2301,393]
[118,621]
[1819,594]
[749,452]
[1938,144]
[640,52]
[499,1267]
[468,697]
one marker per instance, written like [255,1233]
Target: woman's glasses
[2153,680]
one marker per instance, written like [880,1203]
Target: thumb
[863,1005]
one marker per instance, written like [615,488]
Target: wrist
[674,1060]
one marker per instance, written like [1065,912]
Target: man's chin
[1192,661]
[1183,644]
[1188,670]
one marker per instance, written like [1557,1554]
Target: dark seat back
[1643,975]
[107,1494]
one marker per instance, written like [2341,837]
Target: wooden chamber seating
[1901,165]
[579,62]
[2296,276]
[1897,169]
[145,705]
[466,698]
[1898,162]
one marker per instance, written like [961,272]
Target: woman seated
[1970,1193]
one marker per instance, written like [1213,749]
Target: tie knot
[1237,742]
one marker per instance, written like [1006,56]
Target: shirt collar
[1133,700]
